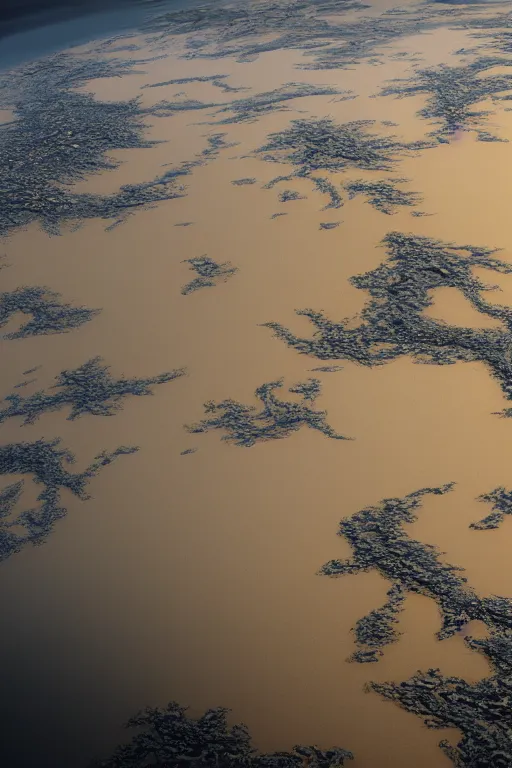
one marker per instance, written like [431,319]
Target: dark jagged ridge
[87,389]
[244,182]
[245,426]
[61,136]
[209,271]
[392,323]
[326,145]
[384,196]
[45,460]
[49,313]
[172,738]
[452,92]
[380,543]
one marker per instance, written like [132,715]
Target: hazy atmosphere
[256,384]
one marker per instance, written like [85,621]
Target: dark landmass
[251,108]
[25,383]
[392,324]
[453,92]
[220,24]
[245,425]
[216,80]
[480,710]
[384,196]
[209,272]
[329,224]
[320,184]
[380,542]
[325,187]
[172,738]
[248,109]
[501,499]
[328,368]
[89,389]
[323,144]
[49,314]
[288,195]
[61,136]
[45,461]
[216,31]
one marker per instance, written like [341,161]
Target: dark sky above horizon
[30,29]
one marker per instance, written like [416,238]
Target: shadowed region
[245,425]
[392,324]
[48,313]
[172,738]
[88,389]
[209,272]
[45,461]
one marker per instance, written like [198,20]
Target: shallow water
[193,577]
